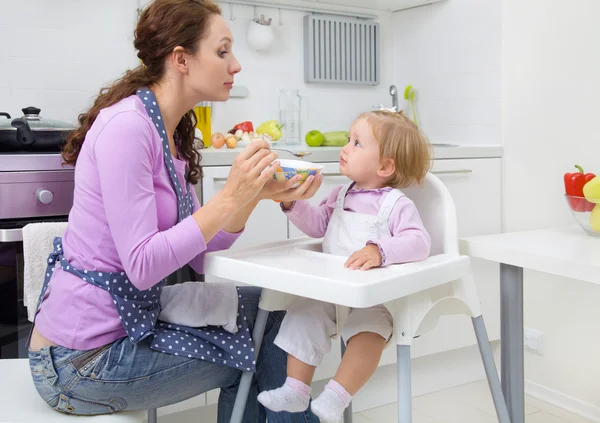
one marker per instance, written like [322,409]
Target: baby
[374,224]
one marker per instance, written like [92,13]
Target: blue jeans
[127,376]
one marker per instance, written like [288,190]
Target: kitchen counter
[225,156]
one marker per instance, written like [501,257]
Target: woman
[97,346]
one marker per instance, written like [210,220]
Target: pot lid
[31,115]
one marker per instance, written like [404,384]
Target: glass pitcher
[289,116]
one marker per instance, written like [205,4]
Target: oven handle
[11,235]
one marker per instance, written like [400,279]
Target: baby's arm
[409,241]
[311,220]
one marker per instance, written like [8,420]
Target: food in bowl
[589,216]
[290,168]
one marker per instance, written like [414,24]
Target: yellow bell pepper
[591,190]
[270,128]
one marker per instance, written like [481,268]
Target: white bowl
[290,168]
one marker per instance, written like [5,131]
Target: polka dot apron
[139,310]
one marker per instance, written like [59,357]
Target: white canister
[260,37]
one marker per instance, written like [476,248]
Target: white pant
[308,326]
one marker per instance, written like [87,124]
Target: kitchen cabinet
[385,5]
[266,224]
[341,5]
[475,185]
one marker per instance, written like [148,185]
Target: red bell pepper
[574,183]
[244,126]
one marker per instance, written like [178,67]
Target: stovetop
[31,162]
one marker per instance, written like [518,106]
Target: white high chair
[416,293]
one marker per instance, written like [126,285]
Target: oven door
[14,325]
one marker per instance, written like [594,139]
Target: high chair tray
[299,267]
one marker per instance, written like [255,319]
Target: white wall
[57,54]
[551,80]
[527,74]
[451,53]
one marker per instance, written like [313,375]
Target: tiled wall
[451,53]
[56,54]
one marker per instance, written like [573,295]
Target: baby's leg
[305,335]
[366,332]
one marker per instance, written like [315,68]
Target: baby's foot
[331,404]
[292,397]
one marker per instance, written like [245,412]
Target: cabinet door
[266,224]
[475,186]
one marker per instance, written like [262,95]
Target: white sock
[331,404]
[292,397]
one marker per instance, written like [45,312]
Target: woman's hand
[283,191]
[251,169]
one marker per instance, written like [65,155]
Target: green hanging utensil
[409,94]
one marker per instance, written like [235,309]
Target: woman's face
[213,67]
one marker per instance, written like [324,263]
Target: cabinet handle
[451,172]
[220,179]
[11,235]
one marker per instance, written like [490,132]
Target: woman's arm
[227,236]
[125,158]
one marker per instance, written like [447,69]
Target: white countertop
[568,252]
[225,156]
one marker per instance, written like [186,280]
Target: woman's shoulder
[129,110]
[123,125]
[127,117]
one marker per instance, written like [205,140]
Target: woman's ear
[387,168]
[179,59]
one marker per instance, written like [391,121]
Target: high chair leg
[404,384]
[490,369]
[348,410]
[246,381]
[152,416]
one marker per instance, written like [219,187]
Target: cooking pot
[32,133]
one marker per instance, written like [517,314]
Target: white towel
[200,304]
[37,245]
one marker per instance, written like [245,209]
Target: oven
[33,188]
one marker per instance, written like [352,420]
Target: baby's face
[360,158]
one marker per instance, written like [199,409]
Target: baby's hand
[365,258]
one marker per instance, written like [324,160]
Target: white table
[568,252]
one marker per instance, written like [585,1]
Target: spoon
[299,154]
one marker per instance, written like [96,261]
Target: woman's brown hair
[401,140]
[163,25]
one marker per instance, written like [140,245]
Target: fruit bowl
[586,214]
[290,168]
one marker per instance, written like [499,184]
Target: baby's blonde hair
[402,141]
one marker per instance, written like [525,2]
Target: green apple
[314,138]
